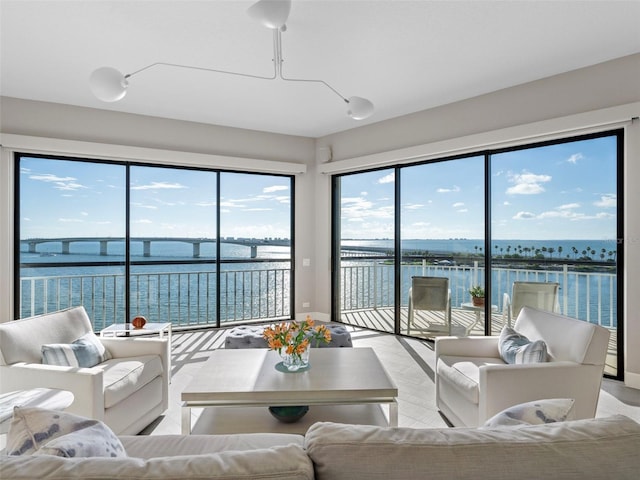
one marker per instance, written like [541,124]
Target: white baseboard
[632,380]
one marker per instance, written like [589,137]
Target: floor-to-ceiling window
[191,246]
[545,212]
[555,219]
[365,262]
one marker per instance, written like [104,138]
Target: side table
[479,313]
[37,397]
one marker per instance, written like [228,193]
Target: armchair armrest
[84,383]
[133,347]
[467,346]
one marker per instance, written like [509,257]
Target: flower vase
[294,362]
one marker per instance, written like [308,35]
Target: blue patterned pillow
[41,431]
[516,348]
[534,413]
[87,351]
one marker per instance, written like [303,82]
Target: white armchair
[473,383]
[127,392]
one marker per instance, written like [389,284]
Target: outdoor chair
[540,295]
[432,294]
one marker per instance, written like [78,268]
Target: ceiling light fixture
[110,85]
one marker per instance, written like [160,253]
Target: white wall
[549,104]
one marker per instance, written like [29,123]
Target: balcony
[254,291]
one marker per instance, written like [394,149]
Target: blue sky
[74,199]
[564,191]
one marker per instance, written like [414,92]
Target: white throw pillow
[87,351]
[52,432]
[516,348]
[534,413]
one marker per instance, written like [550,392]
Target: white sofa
[590,449]
[473,383]
[127,392]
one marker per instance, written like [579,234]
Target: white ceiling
[404,56]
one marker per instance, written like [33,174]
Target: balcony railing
[189,298]
[186,299]
[585,295]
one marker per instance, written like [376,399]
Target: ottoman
[250,336]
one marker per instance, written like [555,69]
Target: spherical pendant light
[108,84]
[359,108]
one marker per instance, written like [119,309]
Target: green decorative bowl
[289,414]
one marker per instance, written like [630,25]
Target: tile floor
[410,363]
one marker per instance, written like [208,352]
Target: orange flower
[295,337]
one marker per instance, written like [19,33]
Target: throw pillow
[534,413]
[516,348]
[87,351]
[52,432]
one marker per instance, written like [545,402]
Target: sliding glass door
[556,219]
[547,213]
[442,229]
[364,268]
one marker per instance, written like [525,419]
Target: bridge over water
[65,243]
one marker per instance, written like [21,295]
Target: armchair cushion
[125,376]
[516,348]
[548,410]
[87,351]
[52,432]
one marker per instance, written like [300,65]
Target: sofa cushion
[143,446]
[534,413]
[124,376]
[87,351]
[288,462]
[516,348]
[581,450]
[464,373]
[52,432]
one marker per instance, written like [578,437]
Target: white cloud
[608,200]
[524,216]
[60,183]
[569,206]
[413,206]
[390,178]
[458,204]
[274,188]
[70,220]
[574,158]
[527,183]
[143,220]
[455,188]
[462,210]
[159,186]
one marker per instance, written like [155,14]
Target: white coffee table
[247,378]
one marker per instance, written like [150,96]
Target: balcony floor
[463,322]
